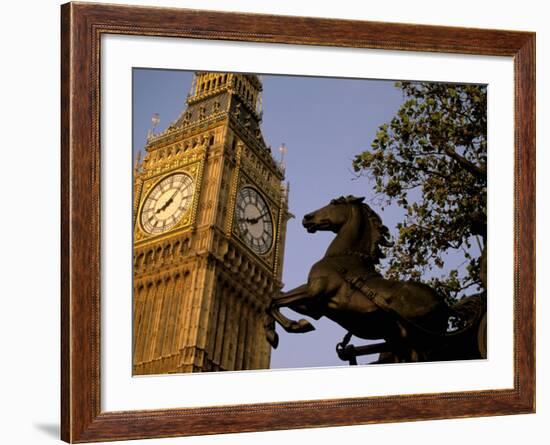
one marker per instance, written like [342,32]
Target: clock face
[167,202]
[253,219]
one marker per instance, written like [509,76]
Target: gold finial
[155,119]
[283,150]
[138,164]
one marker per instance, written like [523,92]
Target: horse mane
[375,233]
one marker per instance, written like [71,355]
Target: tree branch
[477,171]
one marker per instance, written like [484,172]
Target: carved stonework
[200,292]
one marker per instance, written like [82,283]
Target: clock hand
[255,220]
[171,200]
[168,202]
[249,220]
[173,194]
[163,207]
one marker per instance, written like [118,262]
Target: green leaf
[437,193]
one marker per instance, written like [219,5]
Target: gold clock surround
[187,219]
[167,203]
[200,293]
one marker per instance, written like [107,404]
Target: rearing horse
[345,287]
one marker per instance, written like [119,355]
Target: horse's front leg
[310,305]
[297,294]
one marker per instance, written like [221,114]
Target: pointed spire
[283,150]
[138,164]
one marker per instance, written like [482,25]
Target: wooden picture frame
[82,26]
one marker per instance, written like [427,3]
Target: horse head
[359,228]
[359,234]
[411,317]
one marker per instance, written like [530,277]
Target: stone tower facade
[210,211]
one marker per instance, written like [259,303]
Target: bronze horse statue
[346,287]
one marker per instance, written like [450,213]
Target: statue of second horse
[345,286]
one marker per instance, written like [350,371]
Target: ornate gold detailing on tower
[284,216]
[233,190]
[201,292]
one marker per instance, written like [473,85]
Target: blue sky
[324,122]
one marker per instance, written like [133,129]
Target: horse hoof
[272,338]
[302,326]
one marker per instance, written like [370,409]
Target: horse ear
[339,200]
[350,199]
[354,199]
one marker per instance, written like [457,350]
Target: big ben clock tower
[210,211]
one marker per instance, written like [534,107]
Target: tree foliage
[431,160]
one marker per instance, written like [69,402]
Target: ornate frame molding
[82,27]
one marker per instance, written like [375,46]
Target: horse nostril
[308,216]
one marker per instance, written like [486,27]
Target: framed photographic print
[285,222]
